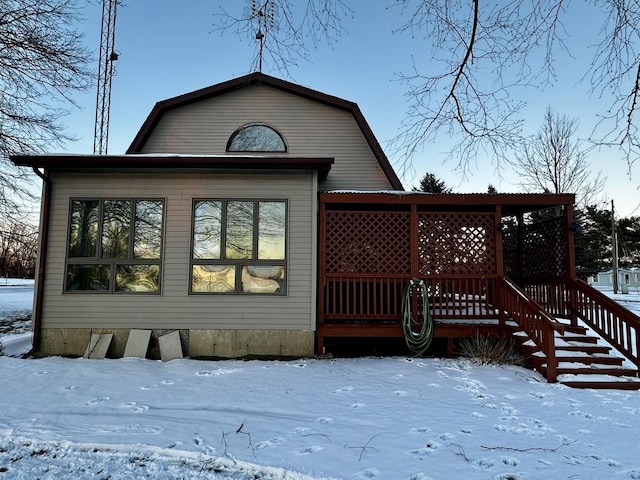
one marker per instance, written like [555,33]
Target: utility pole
[614,251]
[108,56]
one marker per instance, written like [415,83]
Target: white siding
[309,128]
[175,308]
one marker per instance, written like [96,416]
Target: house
[207,225]
[628,277]
[260,217]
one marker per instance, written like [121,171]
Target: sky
[166,50]
[394,418]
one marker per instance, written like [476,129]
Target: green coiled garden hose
[417,341]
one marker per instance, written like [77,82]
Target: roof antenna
[264,14]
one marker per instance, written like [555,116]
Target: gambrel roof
[138,143]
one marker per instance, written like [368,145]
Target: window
[115,245]
[239,246]
[256,138]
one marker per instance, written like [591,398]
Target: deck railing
[539,326]
[369,297]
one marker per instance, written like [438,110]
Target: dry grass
[490,350]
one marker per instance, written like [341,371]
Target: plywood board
[137,343]
[98,345]
[170,346]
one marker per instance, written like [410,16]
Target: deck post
[550,353]
[499,262]
[413,229]
[322,279]
[571,263]
[520,248]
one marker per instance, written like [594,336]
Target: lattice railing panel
[456,243]
[368,242]
[511,254]
[543,256]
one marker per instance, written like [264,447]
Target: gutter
[42,254]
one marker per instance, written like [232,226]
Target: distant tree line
[18,249]
[593,240]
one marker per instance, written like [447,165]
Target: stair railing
[539,326]
[614,323]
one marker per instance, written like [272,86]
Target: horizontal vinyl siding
[175,308]
[309,129]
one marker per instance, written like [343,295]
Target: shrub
[490,350]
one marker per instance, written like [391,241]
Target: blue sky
[168,47]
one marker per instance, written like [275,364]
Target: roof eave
[87,163]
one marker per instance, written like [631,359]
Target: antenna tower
[265,16]
[108,57]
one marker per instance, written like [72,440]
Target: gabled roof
[261,79]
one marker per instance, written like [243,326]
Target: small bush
[490,350]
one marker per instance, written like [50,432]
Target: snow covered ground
[16,301]
[368,418]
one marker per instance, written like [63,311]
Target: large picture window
[115,245]
[239,246]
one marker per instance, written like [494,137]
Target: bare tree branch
[42,62]
[476,60]
[290,31]
[552,161]
[615,72]
[486,52]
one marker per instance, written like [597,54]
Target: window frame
[113,263]
[239,263]
[242,128]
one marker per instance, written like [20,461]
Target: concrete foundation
[242,343]
[196,343]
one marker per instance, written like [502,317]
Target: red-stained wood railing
[366,297]
[553,296]
[539,326]
[576,300]
[352,305]
[614,323]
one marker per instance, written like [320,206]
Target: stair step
[596,358]
[600,382]
[586,348]
[578,338]
[604,385]
[583,361]
[573,369]
[535,356]
[575,329]
[522,337]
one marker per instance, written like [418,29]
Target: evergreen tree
[432,184]
[592,240]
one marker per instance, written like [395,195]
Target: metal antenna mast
[265,16]
[108,56]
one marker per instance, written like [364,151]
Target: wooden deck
[491,265]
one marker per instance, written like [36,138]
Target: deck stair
[584,360]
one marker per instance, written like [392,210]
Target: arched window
[256,137]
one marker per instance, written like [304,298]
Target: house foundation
[209,343]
